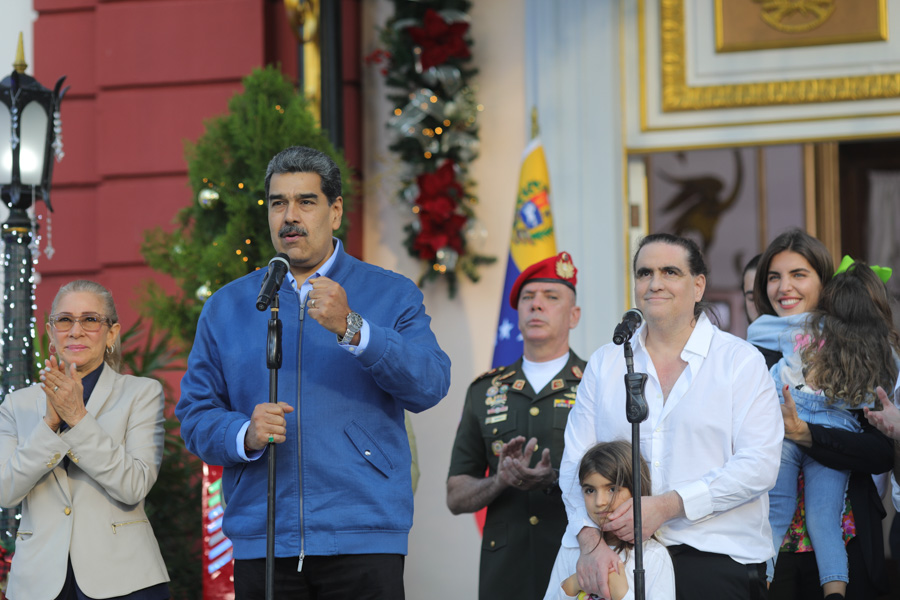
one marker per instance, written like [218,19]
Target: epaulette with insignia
[493,371]
[506,375]
[502,376]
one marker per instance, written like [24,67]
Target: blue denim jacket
[789,335]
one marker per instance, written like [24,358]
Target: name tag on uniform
[495,419]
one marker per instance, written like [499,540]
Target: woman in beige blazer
[80,451]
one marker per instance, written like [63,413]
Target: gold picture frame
[677,95]
[745,25]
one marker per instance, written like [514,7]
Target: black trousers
[357,576]
[707,576]
[797,576]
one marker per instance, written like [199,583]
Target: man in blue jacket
[344,499]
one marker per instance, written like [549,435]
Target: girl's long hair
[612,460]
[853,340]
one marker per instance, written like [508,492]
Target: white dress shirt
[716,440]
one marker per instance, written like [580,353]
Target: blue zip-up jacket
[343,474]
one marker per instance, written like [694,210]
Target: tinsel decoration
[425,59]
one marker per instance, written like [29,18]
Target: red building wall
[144,74]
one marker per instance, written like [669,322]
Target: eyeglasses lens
[89,323]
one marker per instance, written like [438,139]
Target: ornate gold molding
[821,194]
[303,17]
[677,95]
[772,11]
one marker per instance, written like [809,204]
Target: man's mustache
[292,229]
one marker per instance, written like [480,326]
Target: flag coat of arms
[532,240]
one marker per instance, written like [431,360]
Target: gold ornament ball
[207,197]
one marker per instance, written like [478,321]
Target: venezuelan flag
[532,240]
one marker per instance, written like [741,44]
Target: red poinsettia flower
[436,208]
[434,235]
[439,40]
[441,181]
[440,225]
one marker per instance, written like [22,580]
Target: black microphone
[278,268]
[631,320]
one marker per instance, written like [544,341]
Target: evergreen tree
[224,233]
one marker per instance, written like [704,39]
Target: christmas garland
[426,50]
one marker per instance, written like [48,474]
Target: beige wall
[443,553]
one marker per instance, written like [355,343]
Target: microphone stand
[636,410]
[273,362]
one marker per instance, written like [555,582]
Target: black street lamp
[29,114]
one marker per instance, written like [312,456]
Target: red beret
[557,269]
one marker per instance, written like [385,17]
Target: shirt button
[537,447]
[493,543]
[534,520]
[368,453]
[535,411]
[494,431]
[68,511]
[656,464]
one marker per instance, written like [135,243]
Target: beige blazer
[95,511]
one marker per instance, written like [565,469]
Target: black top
[864,454]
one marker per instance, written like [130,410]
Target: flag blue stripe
[507,343]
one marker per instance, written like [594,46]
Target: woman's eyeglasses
[90,322]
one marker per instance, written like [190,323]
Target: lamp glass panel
[34,142]
[5,146]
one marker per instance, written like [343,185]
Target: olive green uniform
[523,530]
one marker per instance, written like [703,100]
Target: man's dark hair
[752,265]
[696,264]
[300,159]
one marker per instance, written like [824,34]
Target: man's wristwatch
[354,324]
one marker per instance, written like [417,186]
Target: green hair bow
[884,273]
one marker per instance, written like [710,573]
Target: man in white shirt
[712,439]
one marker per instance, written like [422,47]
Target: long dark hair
[853,338]
[612,460]
[795,240]
[696,264]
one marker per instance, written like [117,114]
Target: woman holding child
[790,281]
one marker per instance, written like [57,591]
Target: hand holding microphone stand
[278,268]
[636,410]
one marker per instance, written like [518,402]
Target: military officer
[510,439]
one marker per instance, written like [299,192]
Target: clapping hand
[887,420]
[513,469]
[65,394]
